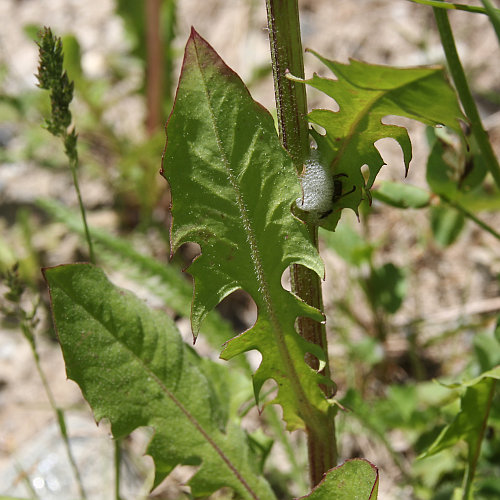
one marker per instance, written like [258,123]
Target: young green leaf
[386,287]
[355,479]
[366,94]
[134,370]
[232,188]
[349,244]
[454,169]
[401,195]
[494,374]
[446,224]
[470,423]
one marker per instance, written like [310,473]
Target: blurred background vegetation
[411,289]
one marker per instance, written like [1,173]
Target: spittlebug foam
[317,186]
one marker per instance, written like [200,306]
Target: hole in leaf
[399,121]
[319,129]
[186,254]
[286,280]
[178,479]
[392,155]
[312,361]
[254,359]
[365,172]
[268,392]
[239,309]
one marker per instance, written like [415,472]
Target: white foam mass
[317,187]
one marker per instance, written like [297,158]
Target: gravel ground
[446,285]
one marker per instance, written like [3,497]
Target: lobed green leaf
[134,370]
[366,94]
[232,188]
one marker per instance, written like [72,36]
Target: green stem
[21,473]
[470,216]
[378,321]
[494,15]
[458,75]
[451,6]
[286,56]
[470,471]
[291,104]
[28,334]
[154,59]
[73,163]
[117,462]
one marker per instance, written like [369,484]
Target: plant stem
[73,163]
[470,471]
[451,6]
[471,216]
[153,65]
[28,334]
[117,463]
[458,75]
[291,104]
[21,473]
[286,56]
[494,16]
[52,77]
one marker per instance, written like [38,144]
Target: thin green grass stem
[28,334]
[53,78]
[494,15]
[73,166]
[470,471]
[117,464]
[26,481]
[439,4]
[458,75]
[470,216]
[297,470]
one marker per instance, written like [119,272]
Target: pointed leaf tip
[195,37]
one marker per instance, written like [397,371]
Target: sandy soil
[445,284]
